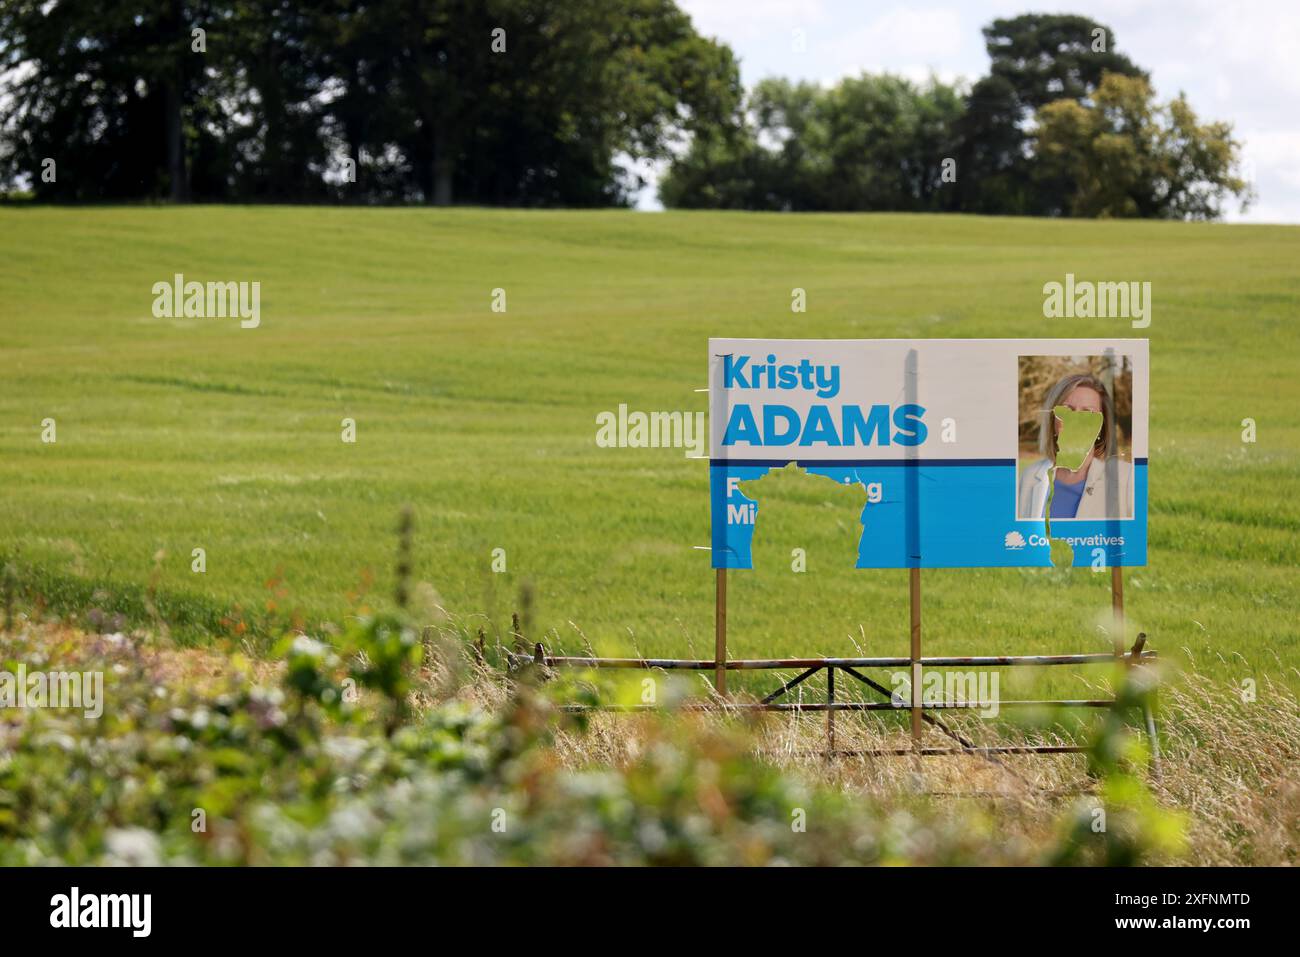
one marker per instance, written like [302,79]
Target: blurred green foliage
[298,772]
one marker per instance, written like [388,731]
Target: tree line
[498,102]
[553,102]
[1063,125]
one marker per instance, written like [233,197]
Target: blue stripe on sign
[857,463]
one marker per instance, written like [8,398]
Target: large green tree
[1123,154]
[1036,58]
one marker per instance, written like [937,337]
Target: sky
[1234,61]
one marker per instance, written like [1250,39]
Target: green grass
[177,434]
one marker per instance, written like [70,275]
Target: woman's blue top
[1065,500]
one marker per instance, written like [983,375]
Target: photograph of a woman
[1102,487]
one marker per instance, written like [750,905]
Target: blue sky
[1235,61]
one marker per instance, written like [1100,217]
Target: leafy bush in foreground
[298,769]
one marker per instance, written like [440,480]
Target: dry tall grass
[1229,766]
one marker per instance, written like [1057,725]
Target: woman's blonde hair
[1105,444]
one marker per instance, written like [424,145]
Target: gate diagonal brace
[930,719]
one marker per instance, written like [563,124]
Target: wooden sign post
[720,633]
[914,575]
[1117,607]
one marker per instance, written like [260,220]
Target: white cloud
[753,20]
[1273,152]
[927,35]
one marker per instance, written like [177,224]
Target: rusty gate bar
[844,705]
[1134,660]
[816,664]
[792,683]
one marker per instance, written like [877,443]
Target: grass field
[176,434]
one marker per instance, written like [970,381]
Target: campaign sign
[957,444]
